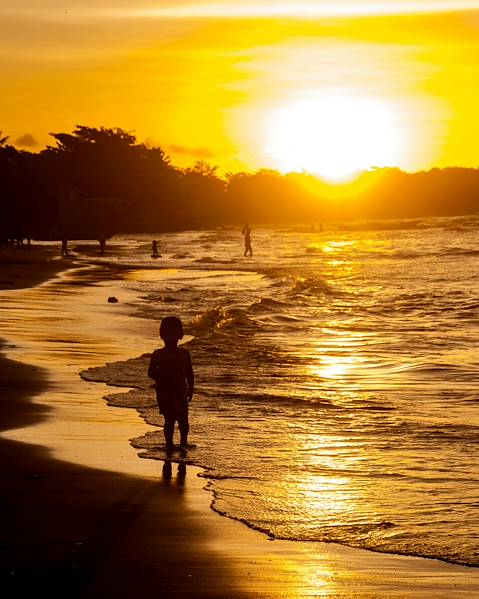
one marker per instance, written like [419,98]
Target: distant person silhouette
[154,249]
[65,247]
[170,367]
[247,240]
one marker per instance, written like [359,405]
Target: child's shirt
[171,369]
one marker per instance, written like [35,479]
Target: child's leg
[169,429]
[184,426]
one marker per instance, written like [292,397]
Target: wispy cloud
[100,9]
[288,8]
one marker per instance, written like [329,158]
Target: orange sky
[269,90]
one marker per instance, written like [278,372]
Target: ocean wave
[460,251]
[313,249]
[267,305]
[452,305]
[384,225]
[128,373]
[455,223]
[205,260]
[457,434]
[219,318]
[311,285]
[133,399]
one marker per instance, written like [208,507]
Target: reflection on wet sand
[167,472]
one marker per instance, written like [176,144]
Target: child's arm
[153,367]
[190,376]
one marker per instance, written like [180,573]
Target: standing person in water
[247,240]
[154,249]
[171,369]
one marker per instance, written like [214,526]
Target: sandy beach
[84,516]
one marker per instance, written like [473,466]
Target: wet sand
[28,266]
[83,516]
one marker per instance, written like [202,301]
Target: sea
[337,374]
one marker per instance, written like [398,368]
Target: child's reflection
[168,472]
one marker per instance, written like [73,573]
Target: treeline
[95,182]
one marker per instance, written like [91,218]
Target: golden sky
[326,86]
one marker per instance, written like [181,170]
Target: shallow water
[336,377]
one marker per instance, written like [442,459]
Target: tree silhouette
[76,184]
[202,195]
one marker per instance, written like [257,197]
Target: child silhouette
[170,367]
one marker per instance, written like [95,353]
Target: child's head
[171,329]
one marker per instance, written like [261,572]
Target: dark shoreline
[29,266]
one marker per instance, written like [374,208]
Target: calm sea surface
[337,378]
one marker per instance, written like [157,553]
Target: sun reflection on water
[326,496]
[337,246]
[338,355]
[333,367]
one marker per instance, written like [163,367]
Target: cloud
[286,8]
[200,153]
[26,141]
[94,10]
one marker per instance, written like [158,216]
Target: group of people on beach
[246,232]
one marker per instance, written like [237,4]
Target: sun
[334,135]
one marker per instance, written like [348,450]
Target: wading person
[247,240]
[171,369]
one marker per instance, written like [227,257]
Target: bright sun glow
[334,135]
